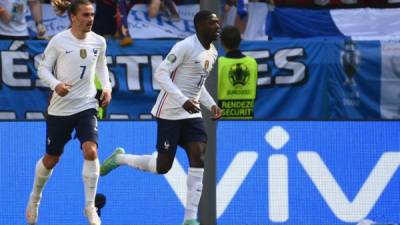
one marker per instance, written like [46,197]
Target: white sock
[42,174]
[90,175]
[194,189]
[146,163]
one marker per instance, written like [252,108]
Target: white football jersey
[75,62]
[182,75]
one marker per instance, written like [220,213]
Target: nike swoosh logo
[67,52]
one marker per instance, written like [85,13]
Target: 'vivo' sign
[291,173]
[308,172]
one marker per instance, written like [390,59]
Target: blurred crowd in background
[111,15]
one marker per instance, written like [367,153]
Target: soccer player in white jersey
[69,64]
[179,121]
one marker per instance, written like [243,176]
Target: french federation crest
[206,65]
[83,53]
[95,51]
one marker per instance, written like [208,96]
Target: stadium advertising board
[310,173]
[294,173]
[305,79]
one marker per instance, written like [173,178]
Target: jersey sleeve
[47,64]
[206,99]
[101,68]
[166,70]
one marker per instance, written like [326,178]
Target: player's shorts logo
[83,53]
[166,145]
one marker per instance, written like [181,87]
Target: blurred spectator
[237,78]
[121,18]
[235,13]
[154,7]
[334,3]
[111,19]
[256,21]
[186,2]
[104,21]
[171,10]
[165,6]
[118,11]
[321,2]
[325,2]
[13,24]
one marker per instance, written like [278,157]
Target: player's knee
[163,169]
[50,161]
[197,160]
[196,157]
[90,150]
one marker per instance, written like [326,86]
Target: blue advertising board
[308,173]
[133,197]
[277,172]
[300,79]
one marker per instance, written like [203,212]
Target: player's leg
[166,146]
[58,133]
[195,140]
[194,181]
[90,176]
[86,131]
[42,174]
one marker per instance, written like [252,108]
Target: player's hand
[216,112]
[105,97]
[41,30]
[62,89]
[191,106]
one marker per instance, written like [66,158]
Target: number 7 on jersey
[83,71]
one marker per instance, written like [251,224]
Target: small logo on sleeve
[171,58]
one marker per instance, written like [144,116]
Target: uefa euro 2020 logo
[239,74]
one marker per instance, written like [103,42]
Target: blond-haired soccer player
[179,121]
[69,64]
